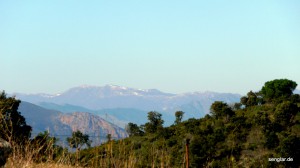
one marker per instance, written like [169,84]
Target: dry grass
[25,164]
[25,157]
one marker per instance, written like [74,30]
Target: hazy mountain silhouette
[128,104]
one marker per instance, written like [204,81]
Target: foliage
[133,130]
[178,116]
[252,99]
[44,146]
[155,122]
[221,109]
[78,139]
[278,89]
[13,126]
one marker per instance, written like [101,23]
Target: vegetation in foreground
[262,126]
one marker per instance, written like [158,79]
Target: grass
[112,154]
[26,164]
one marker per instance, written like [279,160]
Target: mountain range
[122,104]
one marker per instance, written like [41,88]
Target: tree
[13,126]
[178,116]
[108,137]
[78,140]
[252,99]
[278,88]
[220,109]
[155,122]
[236,106]
[133,130]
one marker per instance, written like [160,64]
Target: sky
[174,46]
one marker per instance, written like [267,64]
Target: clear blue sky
[174,46]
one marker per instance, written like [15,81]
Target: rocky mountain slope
[62,125]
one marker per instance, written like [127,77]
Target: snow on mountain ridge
[101,91]
[113,96]
[117,87]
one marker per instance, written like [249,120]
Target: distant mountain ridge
[93,97]
[98,100]
[113,96]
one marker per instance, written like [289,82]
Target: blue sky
[174,46]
